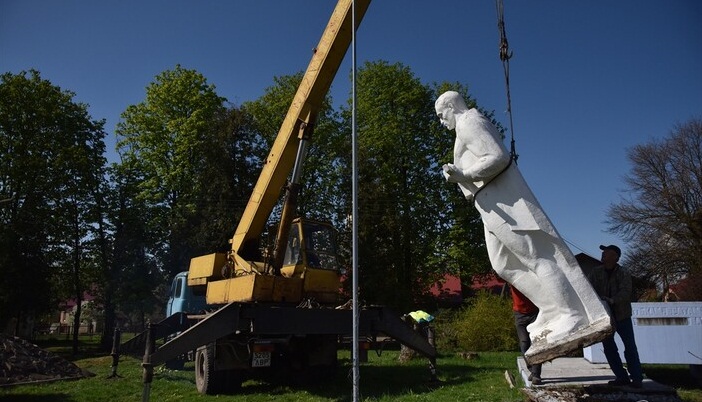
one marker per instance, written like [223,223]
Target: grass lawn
[383,378]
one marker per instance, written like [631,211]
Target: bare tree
[661,213]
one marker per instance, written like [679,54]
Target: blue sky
[589,79]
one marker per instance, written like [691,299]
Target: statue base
[543,351]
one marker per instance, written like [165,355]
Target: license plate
[261,359]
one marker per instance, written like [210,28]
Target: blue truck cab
[181,298]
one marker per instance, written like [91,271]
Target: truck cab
[182,299]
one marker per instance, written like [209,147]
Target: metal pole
[115,352]
[432,360]
[354,209]
[148,368]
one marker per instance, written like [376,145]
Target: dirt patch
[23,362]
[581,394]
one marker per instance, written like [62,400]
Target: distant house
[451,292]
[448,291]
[491,283]
[686,289]
[89,323]
[496,285]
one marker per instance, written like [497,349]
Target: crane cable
[505,55]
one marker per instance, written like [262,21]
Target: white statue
[524,247]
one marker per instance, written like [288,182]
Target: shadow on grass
[87,347]
[36,398]
[375,382]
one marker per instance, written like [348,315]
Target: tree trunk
[109,268]
[79,293]
[108,327]
[76,324]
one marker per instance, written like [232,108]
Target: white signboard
[666,333]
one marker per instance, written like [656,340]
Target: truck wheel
[209,381]
[206,378]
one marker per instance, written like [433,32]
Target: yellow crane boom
[301,116]
[303,261]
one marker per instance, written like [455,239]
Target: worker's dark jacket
[615,285]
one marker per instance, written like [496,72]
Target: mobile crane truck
[277,309]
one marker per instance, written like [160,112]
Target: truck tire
[206,379]
[210,381]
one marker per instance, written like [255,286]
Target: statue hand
[450,171]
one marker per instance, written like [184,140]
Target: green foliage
[133,273]
[414,227]
[325,180]
[188,164]
[51,176]
[400,202]
[178,151]
[486,324]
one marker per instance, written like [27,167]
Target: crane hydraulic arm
[298,122]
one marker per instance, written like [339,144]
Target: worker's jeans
[521,321]
[625,329]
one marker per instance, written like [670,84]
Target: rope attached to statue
[505,55]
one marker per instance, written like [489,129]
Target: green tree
[661,211]
[133,276]
[325,186]
[486,323]
[399,175]
[414,227]
[51,163]
[188,164]
[173,143]
[77,216]
[230,168]
[103,245]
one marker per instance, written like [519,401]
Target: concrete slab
[567,372]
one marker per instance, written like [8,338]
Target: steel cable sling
[505,55]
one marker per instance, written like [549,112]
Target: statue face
[446,116]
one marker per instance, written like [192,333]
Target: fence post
[148,374]
[115,352]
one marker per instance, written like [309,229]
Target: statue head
[447,105]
